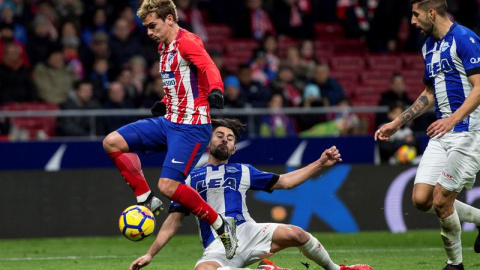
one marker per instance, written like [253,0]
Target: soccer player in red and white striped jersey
[181,125]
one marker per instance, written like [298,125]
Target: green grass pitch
[382,250]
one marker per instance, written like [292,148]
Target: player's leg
[129,165]
[450,225]
[292,236]
[186,144]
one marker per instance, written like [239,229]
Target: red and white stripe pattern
[188,75]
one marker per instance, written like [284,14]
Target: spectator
[219,61]
[53,79]
[277,124]
[261,71]
[116,99]
[289,86]
[80,99]
[330,89]
[98,23]
[99,78]
[311,99]
[293,18]
[71,9]
[294,61]
[138,66]
[254,22]
[359,16]
[270,46]
[7,16]
[346,122]
[396,93]
[307,58]
[122,45]
[255,94]
[190,18]
[7,36]
[153,92]
[98,49]
[70,46]
[15,81]
[129,15]
[40,40]
[404,136]
[131,91]
[233,94]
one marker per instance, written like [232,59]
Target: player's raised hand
[215,99]
[141,262]
[385,131]
[330,156]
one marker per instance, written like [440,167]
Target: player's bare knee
[167,187]
[110,142]
[422,204]
[298,235]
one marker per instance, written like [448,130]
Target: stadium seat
[384,62]
[323,50]
[328,31]
[350,46]
[35,126]
[233,62]
[218,32]
[376,77]
[284,43]
[413,61]
[347,63]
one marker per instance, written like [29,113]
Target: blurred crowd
[95,54]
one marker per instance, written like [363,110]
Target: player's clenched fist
[330,156]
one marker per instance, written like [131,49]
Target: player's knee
[422,204]
[110,143]
[167,187]
[298,235]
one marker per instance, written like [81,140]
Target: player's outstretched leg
[355,267]
[153,203]
[269,265]
[454,267]
[228,236]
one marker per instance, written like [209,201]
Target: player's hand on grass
[330,156]
[386,131]
[141,262]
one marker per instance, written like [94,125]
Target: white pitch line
[375,250]
[61,258]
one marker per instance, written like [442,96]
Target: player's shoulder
[188,39]
[463,33]
[197,172]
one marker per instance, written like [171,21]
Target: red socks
[129,166]
[190,199]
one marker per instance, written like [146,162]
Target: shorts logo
[449,176]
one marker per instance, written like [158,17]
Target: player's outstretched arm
[423,103]
[292,179]
[168,229]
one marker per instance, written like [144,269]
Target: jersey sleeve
[192,49]
[426,77]
[468,49]
[260,180]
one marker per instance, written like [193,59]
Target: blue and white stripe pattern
[224,188]
[448,63]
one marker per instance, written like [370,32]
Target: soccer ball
[405,154]
[136,222]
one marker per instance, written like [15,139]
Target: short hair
[161,7]
[440,6]
[234,124]
[76,84]
[395,75]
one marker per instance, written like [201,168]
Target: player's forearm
[423,103]
[167,231]
[297,177]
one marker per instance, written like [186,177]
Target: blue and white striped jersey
[225,188]
[448,63]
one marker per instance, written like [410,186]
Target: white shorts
[254,244]
[452,161]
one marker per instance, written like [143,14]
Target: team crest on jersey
[445,46]
[231,169]
[170,57]
[214,183]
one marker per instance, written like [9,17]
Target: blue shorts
[183,143]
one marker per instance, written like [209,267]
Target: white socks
[465,212]
[142,198]
[451,231]
[317,253]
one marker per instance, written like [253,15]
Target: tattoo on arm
[415,110]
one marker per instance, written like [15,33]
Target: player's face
[157,29]
[420,20]
[222,144]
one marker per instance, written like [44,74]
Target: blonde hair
[161,7]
